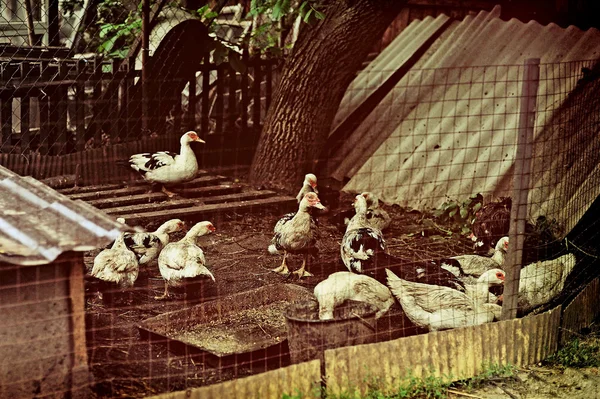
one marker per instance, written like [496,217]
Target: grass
[428,387]
[577,354]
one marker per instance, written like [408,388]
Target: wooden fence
[59,107]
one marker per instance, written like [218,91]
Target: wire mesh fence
[416,244]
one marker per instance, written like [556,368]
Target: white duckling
[476,265]
[117,265]
[147,246]
[341,286]
[166,167]
[437,307]
[184,259]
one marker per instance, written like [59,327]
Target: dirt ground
[539,382]
[124,364]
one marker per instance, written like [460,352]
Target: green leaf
[453,212]
[319,15]
[276,12]
[236,62]
[463,213]
[477,207]
[202,10]
[308,14]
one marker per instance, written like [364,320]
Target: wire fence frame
[123,362]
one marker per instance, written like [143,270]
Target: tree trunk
[322,65]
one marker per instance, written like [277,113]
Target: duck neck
[482,291]
[499,256]
[359,220]
[119,242]
[186,153]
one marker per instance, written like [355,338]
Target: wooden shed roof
[37,224]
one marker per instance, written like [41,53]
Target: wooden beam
[521,183]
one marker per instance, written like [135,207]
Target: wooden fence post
[521,180]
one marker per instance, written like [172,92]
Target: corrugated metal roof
[449,126]
[37,224]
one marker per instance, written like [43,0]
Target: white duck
[117,265]
[361,242]
[166,167]
[296,235]
[184,259]
[439,308]
[309,185]
[378,217]
[480,289]
[476,265]
[147,246]
[341,286]
[540,282]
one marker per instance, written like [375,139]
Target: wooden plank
[190,121]
[101,192]
[6,120]
[232,99]
[171,204]
[25,127]
[153,206]
[268,83]
[256,95]
[239,197]
[219,99]
[244,93]
[149,197]
[80,115]
[44,124]
[212,209]
[89,189]
[205,113]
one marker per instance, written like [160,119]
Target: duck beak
[318,205]
[199,140]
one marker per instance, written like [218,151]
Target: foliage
[118,27]
[577,354]
[428,387]
[281,13]
[460,214]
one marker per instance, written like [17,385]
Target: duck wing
[145,246]
[359,246]
[151,161]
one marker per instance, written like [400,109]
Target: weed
[460,214]
[577,354]
[491,371]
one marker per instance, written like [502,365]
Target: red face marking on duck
[500,276]
[211,227]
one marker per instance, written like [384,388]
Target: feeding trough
[353,323]
[244,329]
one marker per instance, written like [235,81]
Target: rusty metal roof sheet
[37,224]
[448,127]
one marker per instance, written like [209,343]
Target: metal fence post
[521,180]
